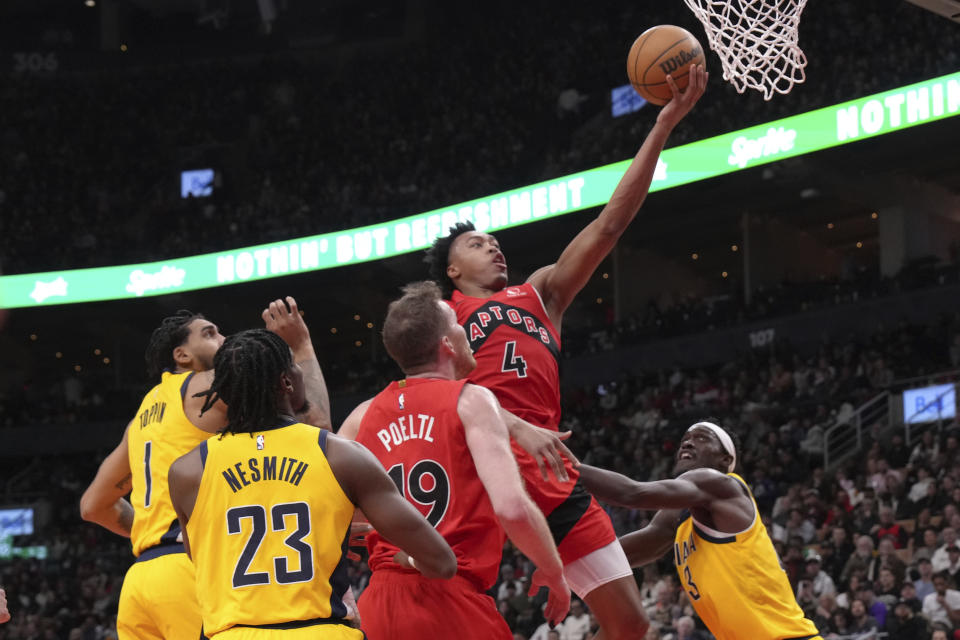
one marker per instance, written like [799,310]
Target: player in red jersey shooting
[514,332]
[444,442]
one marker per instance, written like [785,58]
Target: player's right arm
[650,543]
[284,319]
[523,522]
[368,486]
[103,502]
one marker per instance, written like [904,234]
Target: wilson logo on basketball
[672,64]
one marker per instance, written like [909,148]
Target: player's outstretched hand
[682,102]
[284,319]
[547,449]
[4,613]
[558,600]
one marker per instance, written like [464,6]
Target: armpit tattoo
[125,483]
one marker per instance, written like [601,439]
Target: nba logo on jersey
[513,292]
[400,401]
[259,443]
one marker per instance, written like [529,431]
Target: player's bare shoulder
[720,485]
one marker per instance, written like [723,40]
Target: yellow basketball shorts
[158,600]
[320,631]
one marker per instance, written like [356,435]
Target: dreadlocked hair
[172,332]
[438,257]
[246,376]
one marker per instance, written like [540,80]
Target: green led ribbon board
[797,135]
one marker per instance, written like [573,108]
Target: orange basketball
[658,51]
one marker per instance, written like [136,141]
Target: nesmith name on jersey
[408,427]
[242,474]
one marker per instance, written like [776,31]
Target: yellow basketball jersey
[159,434]
[735,582]
[269,530]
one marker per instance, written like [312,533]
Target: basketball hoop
[756,41]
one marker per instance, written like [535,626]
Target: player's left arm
[103,502]
[284,319]
[694,488]
[559,283]
[183,481]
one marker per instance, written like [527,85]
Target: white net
[756,41]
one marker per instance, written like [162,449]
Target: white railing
[844,439]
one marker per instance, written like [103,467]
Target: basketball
[658,51]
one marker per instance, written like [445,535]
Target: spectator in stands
[842,550]
[840,624]
[687,630]
[941,557]
[665,609]
[865,517]
[888,527]
[820,581]
[577,624]
[908,594]
[926,451]
[860,560]
[507,572]
[927,545]
[924,581]
[887,558]
[823,613]
[905,625]
[918,490]
[897,452]
[943,605]
[887,588]
[953,565]
[860,619]
[799,526]
[876,608]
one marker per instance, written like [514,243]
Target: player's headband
[725,440]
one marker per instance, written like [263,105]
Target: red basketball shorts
[577,522]
[406,606]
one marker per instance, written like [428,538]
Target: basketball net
[756,41]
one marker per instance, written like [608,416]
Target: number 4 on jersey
[513,361]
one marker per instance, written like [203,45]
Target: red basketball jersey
[517,350]
[413,429]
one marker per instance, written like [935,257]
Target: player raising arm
[426,429]
[514,332]
[708,518]
[169,423]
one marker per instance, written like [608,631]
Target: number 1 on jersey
[147,449]
[513,361]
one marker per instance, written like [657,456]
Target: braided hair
[246,377]
[438,257]
[172,332]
